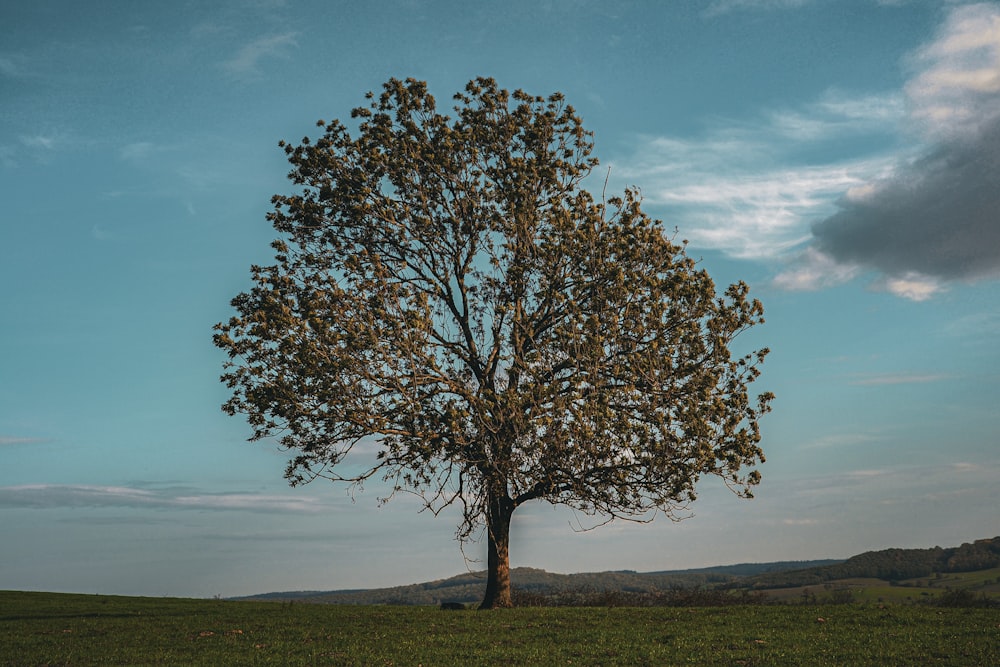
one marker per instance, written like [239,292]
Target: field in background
[58,629]
[981,583]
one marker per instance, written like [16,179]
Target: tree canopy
[445,287]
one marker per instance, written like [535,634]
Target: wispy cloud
[100,233]
[957,87]
[838,114]
[984,326]
[247,60]
[38,146]
[14,440]
[12,65]
[743,188]
[56,495]
[932,220]
[902,378]
[838,440]
[814,270]
[902,483]
[136,151]
[47,142]
[800,522]
[853,510]
[910,285]
[757,216]
[41,146]
[725,6]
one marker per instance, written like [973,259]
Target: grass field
[55,629]
[922,589]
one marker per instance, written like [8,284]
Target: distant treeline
[529,583]
[673,587]
[890,565]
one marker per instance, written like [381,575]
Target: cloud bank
[48,496]
[933,220]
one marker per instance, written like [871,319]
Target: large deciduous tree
[444,287]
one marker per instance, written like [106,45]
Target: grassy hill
[468,587]
[958,574]
[892,565]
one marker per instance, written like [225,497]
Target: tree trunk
[498,550]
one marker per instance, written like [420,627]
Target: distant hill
[468,587]
[890,565]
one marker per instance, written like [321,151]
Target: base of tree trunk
[497,604]
[498,555]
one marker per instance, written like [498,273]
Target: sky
[840,156]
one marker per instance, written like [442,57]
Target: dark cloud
[938,217]
[935,220]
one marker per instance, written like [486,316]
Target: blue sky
[841,156]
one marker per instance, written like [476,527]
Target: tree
[445,287]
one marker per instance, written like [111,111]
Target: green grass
[980,580]
[53,629]
[921,589]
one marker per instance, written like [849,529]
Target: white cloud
[902,483]
[911,285]
[11,65]
[56,495]
[136,151]
[42,141]
[754,217]
[740,190]
[41,147]
[247,59]
[814,270]
[838,440]
[878,380]
[837,114]
[958,87]
[13,440]
[885,108]
[868,473]
[725,6]
[100,233]
[984,326]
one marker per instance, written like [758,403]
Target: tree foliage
[444,285]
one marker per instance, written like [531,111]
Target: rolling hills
[468,587]
[890,574]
